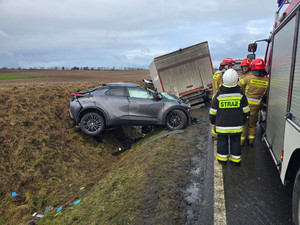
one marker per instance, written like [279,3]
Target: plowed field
[71,76]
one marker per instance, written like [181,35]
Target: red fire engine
[281,118]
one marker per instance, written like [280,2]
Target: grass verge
[143,187]
[49,162]
[2,77]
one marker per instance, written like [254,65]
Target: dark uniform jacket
[229,110]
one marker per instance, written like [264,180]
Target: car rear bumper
[74,110]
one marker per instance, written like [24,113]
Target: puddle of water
[196,171]
[194,192]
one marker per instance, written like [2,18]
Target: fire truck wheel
[296,200]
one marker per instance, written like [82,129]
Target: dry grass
[42,156]
[49,162]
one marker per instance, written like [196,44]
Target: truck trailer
[186,73]
[281,118]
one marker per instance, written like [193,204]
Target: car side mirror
[157,96]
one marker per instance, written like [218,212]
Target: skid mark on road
[219,198]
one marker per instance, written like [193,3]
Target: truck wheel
[176,120]
[92,124]
[296,200]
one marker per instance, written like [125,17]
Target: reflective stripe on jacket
[255,88]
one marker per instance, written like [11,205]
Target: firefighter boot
[235,163]
[235,160]
[222,162]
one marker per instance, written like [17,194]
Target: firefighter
[226,64]
[229,111]
[255,87]
[246,71]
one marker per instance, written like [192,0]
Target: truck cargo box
[186,73]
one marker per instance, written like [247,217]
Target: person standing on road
[229,111]
[226,64]
[246,71]
[255,87]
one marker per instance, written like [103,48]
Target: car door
[117,105]
[143,107]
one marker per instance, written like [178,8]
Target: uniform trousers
[225,142]
[249,129]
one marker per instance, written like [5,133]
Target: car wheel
[176,120]
[92,124]
[296,200]
[147,129]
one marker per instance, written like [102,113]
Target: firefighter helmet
[258,64]
[227,61]
[246,62]
[230,78]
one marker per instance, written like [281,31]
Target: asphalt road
[253,192]
[250,194]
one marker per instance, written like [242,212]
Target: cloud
[258,27]
[126,33]
[3,34]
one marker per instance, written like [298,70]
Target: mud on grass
[49,162]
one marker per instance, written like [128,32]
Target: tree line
[74,68]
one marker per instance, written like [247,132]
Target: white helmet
[230,78]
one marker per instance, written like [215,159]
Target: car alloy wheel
[176,120]
[92,124]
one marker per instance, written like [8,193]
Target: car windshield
[168,96]
[165,95]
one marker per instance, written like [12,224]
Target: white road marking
[219,198]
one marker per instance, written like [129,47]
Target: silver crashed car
[119,104]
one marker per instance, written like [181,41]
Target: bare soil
[72,76]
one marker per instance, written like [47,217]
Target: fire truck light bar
[280,2]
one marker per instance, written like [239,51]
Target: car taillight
[77,95]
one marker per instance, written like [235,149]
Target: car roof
[238,60]
[122,84]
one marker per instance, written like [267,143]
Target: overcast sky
[113,33]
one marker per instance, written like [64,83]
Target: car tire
[176,120]
[92,124]
[296,200]
[146,129]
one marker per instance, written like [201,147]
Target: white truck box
[186,73]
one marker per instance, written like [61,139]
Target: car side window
[139,93]
[115,91]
